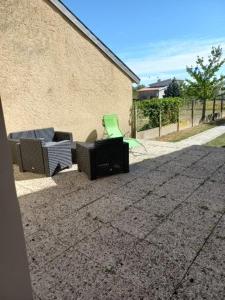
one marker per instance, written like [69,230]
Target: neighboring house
[155,90]
[56,72]
[151,92]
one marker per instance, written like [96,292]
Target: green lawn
[186,133]
[218,142]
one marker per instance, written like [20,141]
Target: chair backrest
[109,149]
[29,134]
[46,133]
[111,124]
[109,142]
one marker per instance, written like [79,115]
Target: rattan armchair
[103,157]
[34,155]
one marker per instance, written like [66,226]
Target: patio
[157,232]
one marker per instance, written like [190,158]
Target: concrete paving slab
[201,283]
[179,187]
[107,246]
[108,207]
[173,167]
[200,172]
[136,222]
[73,229]
[131,191]
[212,255]
[209,196]
[41,283]
[82,274]
[29,220]
[157,206]
[21,190]
[43,247]
[148,266]
[184,231]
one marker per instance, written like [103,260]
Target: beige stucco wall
[51,75]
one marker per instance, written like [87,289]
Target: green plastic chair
[111,124]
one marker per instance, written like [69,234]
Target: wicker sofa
[43,151]
[103,157]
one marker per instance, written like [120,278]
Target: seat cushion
[46,133]
[29,134]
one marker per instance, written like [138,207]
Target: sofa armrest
[12,145]
[13,140]
[86,159]
[60,136]
[19,157]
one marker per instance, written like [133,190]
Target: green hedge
[151,109]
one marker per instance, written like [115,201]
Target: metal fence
[189,115]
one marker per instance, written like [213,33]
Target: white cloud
[166,59]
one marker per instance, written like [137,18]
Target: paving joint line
[180,204]
[152,192]
[197,254]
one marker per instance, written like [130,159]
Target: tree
[173,89]
[135,88]
[205,85]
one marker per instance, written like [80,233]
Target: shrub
[151,109]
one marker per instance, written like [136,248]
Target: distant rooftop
[163,83]
[146,89]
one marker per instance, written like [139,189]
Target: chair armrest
[61,136]
[32,155]
[27,141]
[126,157]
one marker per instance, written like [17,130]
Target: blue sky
[156,39]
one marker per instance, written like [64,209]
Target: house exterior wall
[161,93]
[52,75]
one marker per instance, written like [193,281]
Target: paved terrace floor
[155,233]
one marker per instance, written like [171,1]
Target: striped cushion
[59,155]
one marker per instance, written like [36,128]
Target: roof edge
[84,29]
[151,89]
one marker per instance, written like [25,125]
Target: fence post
[134,119]
[192,113]
[213,110]
[160,121]
[178,119]
[221,107]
